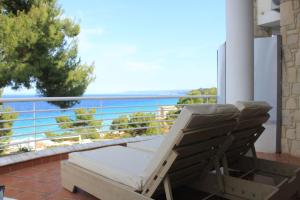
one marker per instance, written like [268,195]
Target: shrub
[6,114]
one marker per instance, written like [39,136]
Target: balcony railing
[35,123]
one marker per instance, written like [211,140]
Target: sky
[140,45]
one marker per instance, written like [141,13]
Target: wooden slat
[192,136]
[234,154]
[176,167]
[200,147]
[198,121]
[240,134]
[179,174]
[191,160]
[239,148]
[253,122]
[188,178]
[243,142]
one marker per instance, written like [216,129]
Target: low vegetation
[84,125]
[6,125]
[136,124]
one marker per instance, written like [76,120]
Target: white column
[239,50]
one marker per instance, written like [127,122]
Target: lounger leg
[168,188]
[254,155]
[219,174]
[68,186]
[225,165]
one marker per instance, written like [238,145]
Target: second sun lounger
[257,178]
[270,180]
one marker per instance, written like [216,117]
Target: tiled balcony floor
[39,182]
[44,182]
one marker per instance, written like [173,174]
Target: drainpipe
[239,50]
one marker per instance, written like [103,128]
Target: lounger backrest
[193,140]
[253,116]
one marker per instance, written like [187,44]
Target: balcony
[30,161]
[29,165]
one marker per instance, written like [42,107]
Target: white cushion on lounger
[118,163]
[149,145]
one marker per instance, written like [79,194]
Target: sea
[106,110]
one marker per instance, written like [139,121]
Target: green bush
[24,149]
[52,135]
[119,123]
[198,92]
[138,122]
[84,123]
[89,134]
[116,136]
[7,125]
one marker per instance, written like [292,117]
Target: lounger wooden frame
[194,151]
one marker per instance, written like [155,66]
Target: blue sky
[139,45]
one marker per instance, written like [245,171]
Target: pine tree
[38,47]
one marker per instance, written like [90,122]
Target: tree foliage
[84,123]
[119,123]
[5,116]
[38,47]
[137,124]
[172,115]
[198,92]
[138,121]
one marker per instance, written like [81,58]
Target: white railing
[37,125]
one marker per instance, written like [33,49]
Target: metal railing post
[100,116]
[159,118]
[34,124]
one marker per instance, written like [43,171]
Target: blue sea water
[107,110]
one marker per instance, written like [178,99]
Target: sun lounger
[259,179]
[189,151]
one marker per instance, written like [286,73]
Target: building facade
[290,31]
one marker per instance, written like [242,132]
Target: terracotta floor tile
[28,195]
[25,173]
[38,187]
[9,180]
[12,192]
[4,170]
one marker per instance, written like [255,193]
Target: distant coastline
[126,93]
